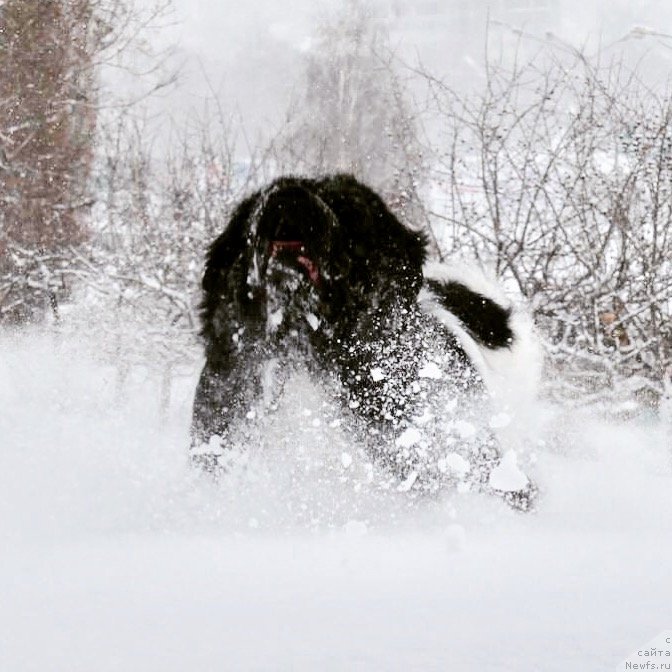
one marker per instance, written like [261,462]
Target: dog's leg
[224,395]
[210,420]
[498,474]
[248,386]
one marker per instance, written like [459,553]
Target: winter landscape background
[529,137]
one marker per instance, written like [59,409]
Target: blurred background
[529,137]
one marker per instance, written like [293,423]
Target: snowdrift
[115,556]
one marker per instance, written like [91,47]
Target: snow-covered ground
[114,556]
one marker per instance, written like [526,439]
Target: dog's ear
[220,262]
[229,245]
[384,246]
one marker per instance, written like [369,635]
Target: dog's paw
[209,463]
[208,457]
[508,481]
[524,500]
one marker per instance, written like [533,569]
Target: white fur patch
[511,374]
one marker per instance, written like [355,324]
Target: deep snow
[114,556]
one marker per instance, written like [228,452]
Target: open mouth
[294,253]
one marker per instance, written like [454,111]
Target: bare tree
[558,177]
[45,135]
[156,212]
[50,53]
[353,112]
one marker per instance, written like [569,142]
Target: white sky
[249,52]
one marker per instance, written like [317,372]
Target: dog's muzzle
[294,229]
[294,253]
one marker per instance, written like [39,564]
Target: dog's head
[308,252]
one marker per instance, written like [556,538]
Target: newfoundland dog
[319,274]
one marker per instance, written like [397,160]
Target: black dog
[320,274]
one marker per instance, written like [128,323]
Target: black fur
[319,274]
[485,321]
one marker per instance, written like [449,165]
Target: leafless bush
[156,212]
[50,55]
[558,177]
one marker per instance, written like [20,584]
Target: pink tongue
[311,267]
[297,247]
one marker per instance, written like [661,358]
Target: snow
[115,556]
[409,437]
[500,420]
[456,538]
[313,321]
[407,484]
[275,319]
[464,429]
[455,463]
[507,476]
[377,374]
[430,370]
